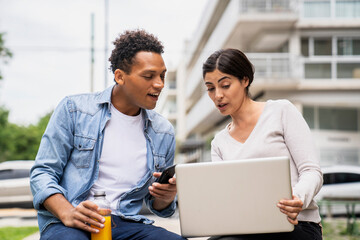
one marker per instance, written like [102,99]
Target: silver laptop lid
[233,197]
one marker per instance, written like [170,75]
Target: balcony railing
[272,65]
[261,6]
[330,8]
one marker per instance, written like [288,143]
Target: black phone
[166,175]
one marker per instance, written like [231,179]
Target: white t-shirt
[280,131]
[123,158]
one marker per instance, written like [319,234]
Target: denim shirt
[68,158]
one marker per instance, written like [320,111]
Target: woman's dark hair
[230,61]
[128,44]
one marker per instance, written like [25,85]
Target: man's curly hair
[128,44]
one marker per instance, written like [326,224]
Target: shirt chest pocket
[83,151]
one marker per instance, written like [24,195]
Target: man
[109,141]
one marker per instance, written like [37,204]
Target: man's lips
[154,95]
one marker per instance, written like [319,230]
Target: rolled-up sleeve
[53,154]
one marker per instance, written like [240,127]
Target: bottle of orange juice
[103,203]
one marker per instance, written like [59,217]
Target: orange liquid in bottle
[104,233]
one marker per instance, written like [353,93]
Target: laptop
[233,197]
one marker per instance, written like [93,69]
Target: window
[348,70]
[317,70]
[309,114]
[347,8]
[305,47]
[322,47]
[319,8]
[348,46]
[341,177]
[14,173]
[324,57]
[332,118]
[343,119]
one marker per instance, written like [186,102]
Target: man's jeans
[121,229]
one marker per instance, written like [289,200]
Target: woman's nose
[218,94]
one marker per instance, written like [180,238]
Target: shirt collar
[105,97]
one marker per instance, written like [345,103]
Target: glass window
[305,47]
[338,119]
[356,46]
[316,8]
[347,8]
[322,47]
[348,46]
[309,114]
[318,70]
[348,70]
[171,84]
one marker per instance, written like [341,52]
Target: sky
[51,40]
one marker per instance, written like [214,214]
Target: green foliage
[5,53]
[20,142]
[16,233]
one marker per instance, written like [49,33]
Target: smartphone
[166,174]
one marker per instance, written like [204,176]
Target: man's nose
[158,83]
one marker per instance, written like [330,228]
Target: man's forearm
[160,204]
[58,205]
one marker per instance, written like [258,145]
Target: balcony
[246,25]
[330,9]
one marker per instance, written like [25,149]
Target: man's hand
[81,217]
[292,208]
[164,194]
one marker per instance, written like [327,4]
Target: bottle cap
[99,194]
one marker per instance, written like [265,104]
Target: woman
[277,127]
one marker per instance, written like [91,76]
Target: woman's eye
[210,89]
[147,77]
[226,86]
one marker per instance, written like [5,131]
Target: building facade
[306,51]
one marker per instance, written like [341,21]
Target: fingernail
[97,231]
[103,220]
[101,225]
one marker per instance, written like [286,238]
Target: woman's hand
[292,208]
[164,194]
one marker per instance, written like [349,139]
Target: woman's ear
[245,81]
[119,76]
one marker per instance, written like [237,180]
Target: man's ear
[119,76]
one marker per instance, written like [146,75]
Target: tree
[20,142]
[5,53]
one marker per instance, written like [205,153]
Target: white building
[307,51]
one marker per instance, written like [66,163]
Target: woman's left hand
[292,208]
